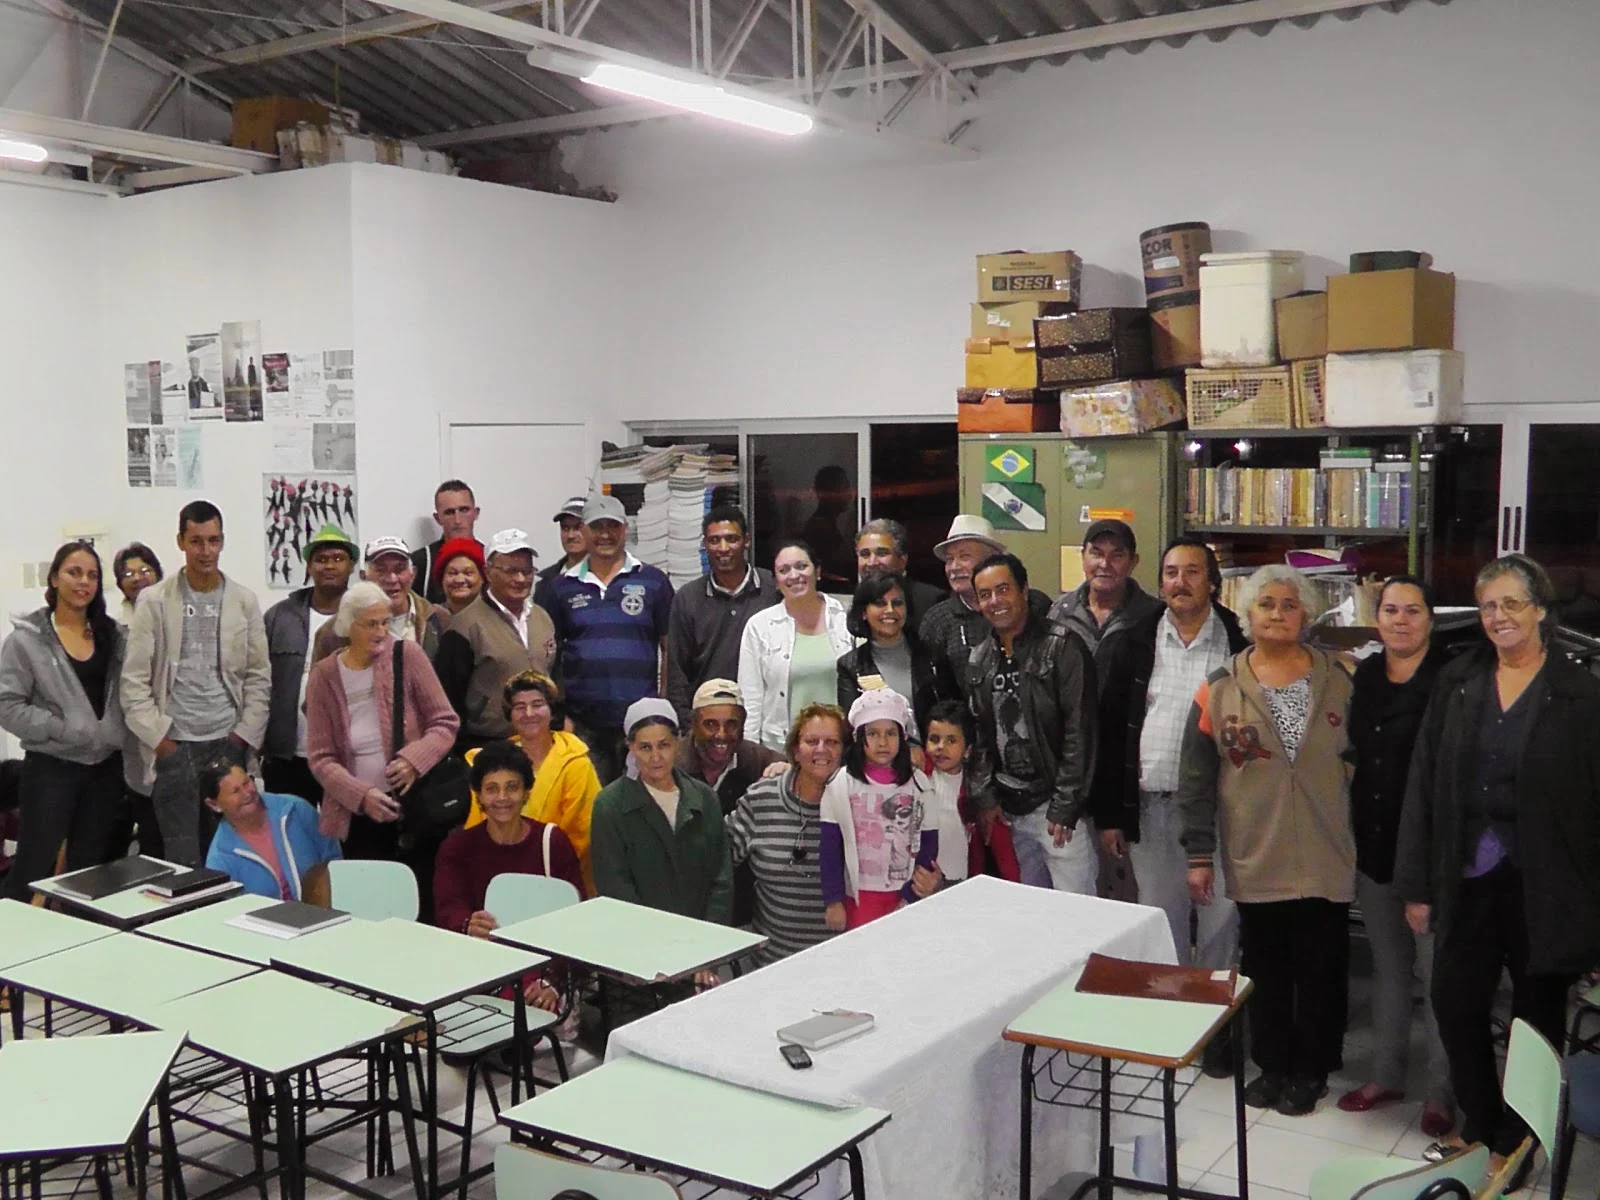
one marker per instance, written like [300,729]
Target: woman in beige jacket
[1264,772]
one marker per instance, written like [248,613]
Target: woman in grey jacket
[59,672]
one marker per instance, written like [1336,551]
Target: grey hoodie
[42,703]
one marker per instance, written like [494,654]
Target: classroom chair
[524,1174]
[1532,1086]
[1583,1115]
[374,890]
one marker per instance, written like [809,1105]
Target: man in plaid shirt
[1145,701]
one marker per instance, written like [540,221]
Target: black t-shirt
[92,673]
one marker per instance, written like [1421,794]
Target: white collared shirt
[581,571]
[1177,675]
[518,622]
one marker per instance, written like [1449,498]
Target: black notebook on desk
[289,919]
[95,883]
[186,883]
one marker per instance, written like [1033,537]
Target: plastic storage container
[1238,326]
[1403,387]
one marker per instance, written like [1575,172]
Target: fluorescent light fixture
[30,152]
[708,99]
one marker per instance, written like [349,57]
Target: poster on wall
[203,384]
[241,370]
[294,506]
[139,457]
[333,445]
[164,457]
[336,399]
[190,476]
[174,404]
[275,387]
[291,447]
[141,402]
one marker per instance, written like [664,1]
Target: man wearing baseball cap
[574,541]
[386,561]
[611,615]
[499,635]
[717,753]
[952,627]
[1109,601]
[292,627]
[455,511]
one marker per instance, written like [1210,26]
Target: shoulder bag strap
[549,832]
[399,725]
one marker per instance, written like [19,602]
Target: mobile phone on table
[795,1056]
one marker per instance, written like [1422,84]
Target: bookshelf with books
[1264,494]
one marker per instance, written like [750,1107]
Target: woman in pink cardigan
[349,731]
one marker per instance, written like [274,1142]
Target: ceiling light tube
[30,152]
[708,99]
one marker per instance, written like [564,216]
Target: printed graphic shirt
[199,704]
[1014,769]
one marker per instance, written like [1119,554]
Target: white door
[520,474]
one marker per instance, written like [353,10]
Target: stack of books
[667,491]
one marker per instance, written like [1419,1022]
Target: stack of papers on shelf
[667,491]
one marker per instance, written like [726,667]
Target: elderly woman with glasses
[775,831]
[134,568]
[1499,848]
[1263,778]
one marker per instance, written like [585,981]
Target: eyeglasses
[801,851]
[513,572]
[1511,606]
[137,573]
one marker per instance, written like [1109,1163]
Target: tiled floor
[1284,1152]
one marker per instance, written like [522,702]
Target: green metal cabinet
[1075,481]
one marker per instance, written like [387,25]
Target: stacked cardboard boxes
[1002,376]
[1391,347]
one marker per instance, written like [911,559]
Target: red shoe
[1437,1120]
[1368,1097]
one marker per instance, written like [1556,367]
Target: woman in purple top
[1499,846]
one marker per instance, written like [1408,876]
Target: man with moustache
[717,753]
[953,626]
[1152,675]
[708,615]
[1109,601]
[1031,688]
[883,547]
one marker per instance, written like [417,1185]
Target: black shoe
[1300,1096]
[1216,1060]
[1264,1091]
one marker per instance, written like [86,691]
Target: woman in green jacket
[657,840]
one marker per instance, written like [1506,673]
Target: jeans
[69,802]
[186,821]
[1161,868]
[1074,867]
[1298,954]
[1488,933]
[1396,953]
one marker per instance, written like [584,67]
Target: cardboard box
[998,365]
[1013,410]
[1392,310]
[1302,326]
[1175,337]
[1124,407]
[256,120]
[1012,323]
[1052,276]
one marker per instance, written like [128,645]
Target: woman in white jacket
[789,653]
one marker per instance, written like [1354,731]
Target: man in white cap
[951,628]
[387,563]
[500,634]
[611,615]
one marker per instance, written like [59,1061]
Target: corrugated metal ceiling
[443,78]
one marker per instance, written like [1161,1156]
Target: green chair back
[512,898]
[523,1174]
[1389,1179]
[373,890]
[1535,1087]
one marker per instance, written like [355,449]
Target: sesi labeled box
[1055,275]
[1392,310]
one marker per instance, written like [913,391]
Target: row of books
[1347,492]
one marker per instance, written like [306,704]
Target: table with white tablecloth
[941,978]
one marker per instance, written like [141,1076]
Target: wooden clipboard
[1107,976]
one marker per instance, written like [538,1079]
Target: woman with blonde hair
[564,780]
[1263,775]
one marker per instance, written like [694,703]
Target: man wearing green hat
[292,626]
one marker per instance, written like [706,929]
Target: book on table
[187,883]
[289,919]
[1107,976]
[96,883]
[826,1028]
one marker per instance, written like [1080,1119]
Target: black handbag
[440,800]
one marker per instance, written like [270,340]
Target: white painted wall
[1467,131]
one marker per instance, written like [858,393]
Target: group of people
[751,749]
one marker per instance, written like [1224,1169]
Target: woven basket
[1309,411]
[1242,398]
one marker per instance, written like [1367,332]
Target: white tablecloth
[942,978]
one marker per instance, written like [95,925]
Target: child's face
[882,740]
[947,747]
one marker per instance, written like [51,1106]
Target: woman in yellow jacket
[564,780]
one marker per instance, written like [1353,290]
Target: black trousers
[1488,933]
[137,826]
[1297,952]
[69,802]
[291,777]
[608,749]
